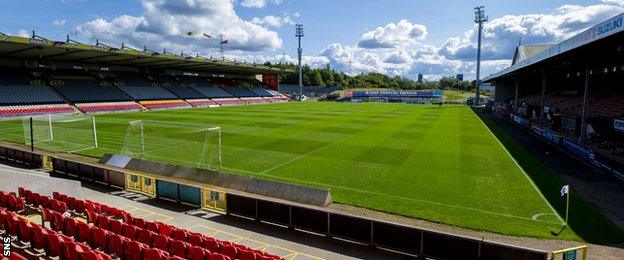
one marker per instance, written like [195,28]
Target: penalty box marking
[522,170]
[400,197]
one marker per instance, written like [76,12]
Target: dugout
[570,90]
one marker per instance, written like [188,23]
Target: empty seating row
[228,101]
[240,92]
[87,90]
[108,106]
[255,100]
[157,104]
[204,102]
[262,92]
[44,241]
[184,92]
[179,242]
[24,110]
[147,92]
[39,239]
[214,92]
[27,94]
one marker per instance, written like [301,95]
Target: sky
[394,37]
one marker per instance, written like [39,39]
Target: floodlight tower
[299,34]
[480,18]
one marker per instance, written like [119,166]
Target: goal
[61,133]
[176,143]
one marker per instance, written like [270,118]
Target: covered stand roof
[38,48]
[582,43]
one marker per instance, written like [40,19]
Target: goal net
[66,134]
[176,143]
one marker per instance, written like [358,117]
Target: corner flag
[565,190]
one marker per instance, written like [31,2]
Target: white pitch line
[305,154]
[398,197]
[521,169]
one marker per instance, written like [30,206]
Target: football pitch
[438,164]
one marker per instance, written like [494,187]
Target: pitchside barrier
[587,154]
[294,216]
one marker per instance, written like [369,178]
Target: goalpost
[61,133]
[177,143]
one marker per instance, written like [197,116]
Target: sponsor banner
[520,121]
[400,94]
[618,125]
[609,165]
[552,136]
[578,149]
[538,129]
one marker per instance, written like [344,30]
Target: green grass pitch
[437,164]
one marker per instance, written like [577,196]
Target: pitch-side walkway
[276,240]
[604,191]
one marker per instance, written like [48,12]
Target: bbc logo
[6,246]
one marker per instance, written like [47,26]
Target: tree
[317,79]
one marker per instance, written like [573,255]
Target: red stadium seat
[217,256]
[180,234]
[98,238]
[114,244]
[164,229]
[24,230]
[178,248]
[161,242]
[229,250]
[139,222]
[133,251]
[152,226]
[196,239]
[39,237]
[53,244]
[128,231]
[197,253]
[69,227]
[145,236]
[102,222]
[11,224]
[115,227]
[247,255]
[155,254]
[83,231]
[211,244]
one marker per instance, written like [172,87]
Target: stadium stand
[21,96]
[108,232]
[108,106]
[184,90]
[149,94]
[180,89]
[246,95]
[311,91]
[216,94]
[81,89]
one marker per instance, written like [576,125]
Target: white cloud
[500,35]
[165,24]
[393,35]
[398,49]
[23,33]
[258,3]
[272,21]
[59,22]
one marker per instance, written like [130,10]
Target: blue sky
[396,37]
